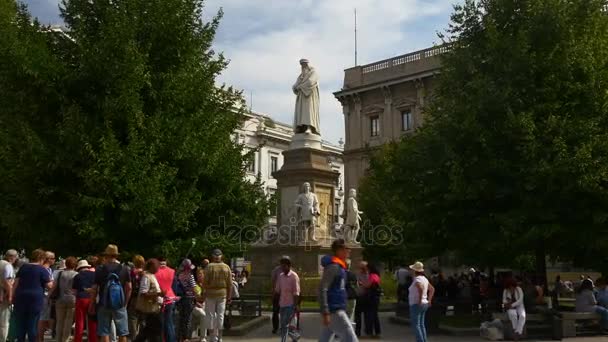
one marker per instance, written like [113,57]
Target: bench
[536,324]
[574,323]
[247,305]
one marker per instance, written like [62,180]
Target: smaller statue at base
[351,226]
[307,211]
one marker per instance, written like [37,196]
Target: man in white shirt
[7,278]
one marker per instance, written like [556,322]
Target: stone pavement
[311,325]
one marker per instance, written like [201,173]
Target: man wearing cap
[333,296]
[7,279]
[105,316]
[288,290]
[306,88]
[217,292]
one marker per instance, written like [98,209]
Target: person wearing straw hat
[421,294]
[83,282]
[106,315]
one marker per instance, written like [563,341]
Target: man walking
[288,291]
[275,299]
[113,285]
[217,287]
[7,278]
[401,275]
[332,295]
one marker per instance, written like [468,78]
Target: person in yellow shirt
[217,292]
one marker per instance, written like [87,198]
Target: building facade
[382,102]
[270,138]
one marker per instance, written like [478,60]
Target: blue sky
[264,39]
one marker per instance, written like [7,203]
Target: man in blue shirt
[333,296]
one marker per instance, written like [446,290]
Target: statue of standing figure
[307,211]
[352,224]
[306,88]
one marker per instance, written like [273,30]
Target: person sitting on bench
[586,302]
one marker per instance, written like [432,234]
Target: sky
[265,39]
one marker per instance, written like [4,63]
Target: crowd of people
[113,300]
[349,301]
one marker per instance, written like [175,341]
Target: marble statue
[353,218]
[307,211]
[306,88]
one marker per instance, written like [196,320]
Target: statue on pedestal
[306,88]
[307,211]
[352,224]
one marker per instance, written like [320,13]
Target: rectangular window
[406,121]
[274,164]
[251,165]
[375,126]
[337,212]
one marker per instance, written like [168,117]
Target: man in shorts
[105,316]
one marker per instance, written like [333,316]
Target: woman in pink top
[373,292]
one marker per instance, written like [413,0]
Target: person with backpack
[333,296]
[113,289]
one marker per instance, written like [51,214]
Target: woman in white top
[421,294]
[513,302]
[149,302]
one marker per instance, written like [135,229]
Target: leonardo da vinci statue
[306,88]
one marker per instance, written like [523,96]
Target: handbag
[56,293]
[145,304]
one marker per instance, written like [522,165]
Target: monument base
[306,261]
[305,140]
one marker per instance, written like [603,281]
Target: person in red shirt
[165,276]
[373,292]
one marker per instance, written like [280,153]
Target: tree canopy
[513,156]
[115,131]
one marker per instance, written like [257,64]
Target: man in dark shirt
[105,316]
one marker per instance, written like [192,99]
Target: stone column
[387,120]
[420,99]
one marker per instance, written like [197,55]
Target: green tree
[117,132]
[513,157]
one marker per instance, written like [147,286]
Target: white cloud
[264,39]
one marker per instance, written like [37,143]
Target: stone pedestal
[305,161]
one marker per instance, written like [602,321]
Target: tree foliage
[513,156]
[116,130]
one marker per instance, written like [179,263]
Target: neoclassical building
[383,101]
[271,138]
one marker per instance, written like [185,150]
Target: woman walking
[421,294]
[66,301]
[186,285]
[31,282]
[373,292]
[513,302]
